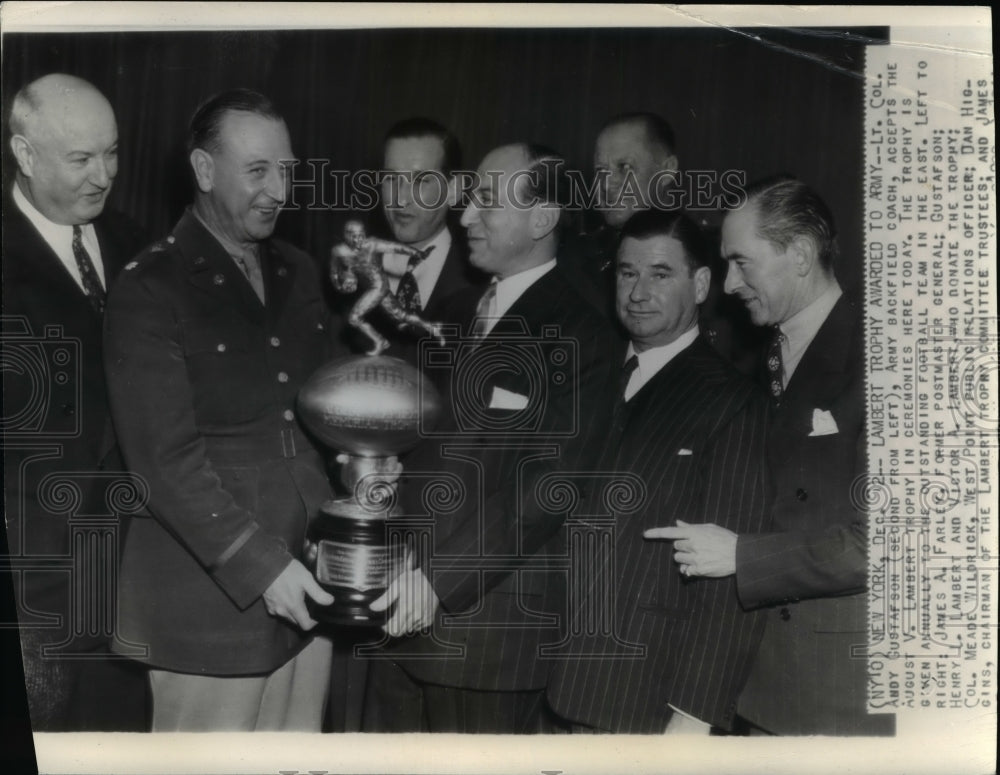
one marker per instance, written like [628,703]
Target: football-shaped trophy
[370,408]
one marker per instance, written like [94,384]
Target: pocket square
[507,399]
[684,452]
[823,424]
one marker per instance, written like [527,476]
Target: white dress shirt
[654,359]
[426,273]
[59,237]
[801,328]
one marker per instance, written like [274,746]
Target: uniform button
[69,409]
[199,261]
[221,347]
[282,377]
[282,271]
[801,494]
[289,415]
[785,614]
[320,326]
[171,239]
[275,342]
[218,279]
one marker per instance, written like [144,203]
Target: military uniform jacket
[203,380]
[809,573]
[644,636]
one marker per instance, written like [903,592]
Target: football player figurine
[360,254]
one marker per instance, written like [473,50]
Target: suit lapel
[821,376]
[543,294]
[450,279]
[40,266]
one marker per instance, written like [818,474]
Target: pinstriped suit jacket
[500,617]
[695,434]
[810,573]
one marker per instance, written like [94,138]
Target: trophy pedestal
[370,408]
[350,558]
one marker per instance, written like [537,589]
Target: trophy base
[349,608]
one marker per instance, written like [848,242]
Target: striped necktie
[485,310]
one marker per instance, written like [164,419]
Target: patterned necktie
[407,292]
[250,265]
[88,273]
[618,414]
[484,311]
[776,366]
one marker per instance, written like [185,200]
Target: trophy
[370,408]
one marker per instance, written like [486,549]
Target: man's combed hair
[675,225]
[657,129]
[426,127]
[788,209]
[207,120]
[546,181]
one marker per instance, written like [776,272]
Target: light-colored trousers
[292,698]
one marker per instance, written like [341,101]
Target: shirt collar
[651,361]
[48,229]
[510,289]
[234,250]
[431,266]
[441,244]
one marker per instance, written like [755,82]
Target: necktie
[250,265]
[407,292]
[88,273]
[485,310]
[775,366]
[618,414]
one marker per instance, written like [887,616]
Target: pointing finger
[668,533]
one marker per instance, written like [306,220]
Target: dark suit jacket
[810,573]
[457,274]
[57,424]
[694,434]
[203,381]
[493,609]
[44,310]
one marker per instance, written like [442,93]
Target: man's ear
[803,254]
[204,169]
[544,219]
[24,154]
[702,282]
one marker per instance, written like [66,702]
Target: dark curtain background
[763,102]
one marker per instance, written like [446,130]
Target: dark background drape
[759,101]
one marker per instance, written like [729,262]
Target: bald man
[61,251]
